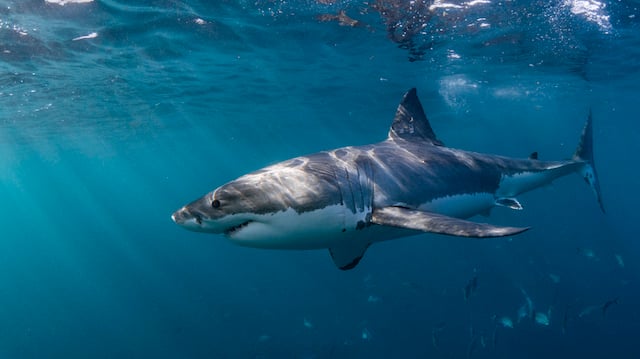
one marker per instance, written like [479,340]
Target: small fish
[477,341]
[506,322]
[263,338]
[565,320]
[307,323]
[526,310]
[435,339]
[588,310]
[368,281]
[542,319]
[494,338]
[588,253]
[341,17]
[523,312]
[366,334]
[620,260]
[471,287]
[554,278]
[608,304]
[373,299]
[473,344]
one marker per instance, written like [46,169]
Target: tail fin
[584,153]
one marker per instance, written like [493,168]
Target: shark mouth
[235,229]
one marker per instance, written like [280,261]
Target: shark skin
[346,199]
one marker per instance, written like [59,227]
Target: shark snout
[184,217]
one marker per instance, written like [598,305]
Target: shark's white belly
[321,228]
[335,225]
[461,205]
[523,182]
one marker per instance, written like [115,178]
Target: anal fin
[437,223]
[347,256]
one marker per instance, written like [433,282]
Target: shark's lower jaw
[235,229]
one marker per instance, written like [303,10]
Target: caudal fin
[584,153]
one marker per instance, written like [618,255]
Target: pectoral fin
[437,223]
[348,255]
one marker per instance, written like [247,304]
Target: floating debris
[65,2]
[92,35]
[620,260]
[554,278]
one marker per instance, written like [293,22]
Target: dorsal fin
[533,155]
[410,122]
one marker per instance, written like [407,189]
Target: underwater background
[113,114]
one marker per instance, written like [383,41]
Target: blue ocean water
[115,113]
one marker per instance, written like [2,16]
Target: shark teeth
[235,229]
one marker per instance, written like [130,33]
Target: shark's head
[224,210]
[257,208]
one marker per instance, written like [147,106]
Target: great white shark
[346,199]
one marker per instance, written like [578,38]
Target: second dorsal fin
[410,122]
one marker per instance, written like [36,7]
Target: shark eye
[215,203]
